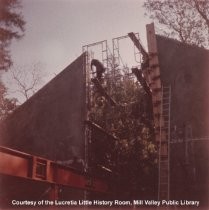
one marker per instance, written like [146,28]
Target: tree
[185,20]
[7,105]
[130,122]
[11,27]
[25,80]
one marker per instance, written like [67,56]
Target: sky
[56,30]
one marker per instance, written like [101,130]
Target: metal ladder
[164,166]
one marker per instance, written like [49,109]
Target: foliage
[130,121]
[185,20]
[6,105]
[11,27]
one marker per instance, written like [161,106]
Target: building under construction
[46,143]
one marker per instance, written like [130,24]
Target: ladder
[164,166]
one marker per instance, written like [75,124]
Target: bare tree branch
[185,20]
[26,79]
[201,7]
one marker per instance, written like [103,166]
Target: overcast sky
[56,30]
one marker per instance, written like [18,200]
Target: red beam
[15,163]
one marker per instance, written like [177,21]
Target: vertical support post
[161,114]
[86,71]
[88,75]
[169,141]
[54,192]
[115,44]
[154,75]
[33,162]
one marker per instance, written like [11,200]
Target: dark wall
[186,69]
[189,176]
[51,123]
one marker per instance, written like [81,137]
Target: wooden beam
[154,74]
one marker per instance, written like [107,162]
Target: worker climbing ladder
[164,168]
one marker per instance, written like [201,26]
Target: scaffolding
[118,60]
[43,170]
[103,55]
[116,49]
[112,62]
[115,66]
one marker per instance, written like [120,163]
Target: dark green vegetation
[133,154]
[11,27]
